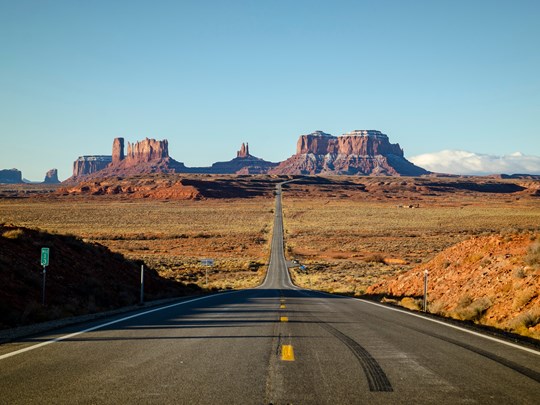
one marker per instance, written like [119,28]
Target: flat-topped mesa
[10,176]
[86,165]
[360,152]
[244,151]
[146,151]
[357,142]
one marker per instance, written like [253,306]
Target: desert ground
[348,238]
[346,233]
[170,237]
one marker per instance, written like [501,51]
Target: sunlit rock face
[360,152]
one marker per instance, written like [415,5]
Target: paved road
[276,344]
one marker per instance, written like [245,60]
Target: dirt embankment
[492,280]
[82,278]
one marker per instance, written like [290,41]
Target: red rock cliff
[244,151]
[118,150]
[146,151]
[85,165]
[51,177]
[360,152]
[359,142]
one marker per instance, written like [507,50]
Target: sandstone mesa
[360,152]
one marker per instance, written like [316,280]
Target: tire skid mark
[498,359]
[376,377]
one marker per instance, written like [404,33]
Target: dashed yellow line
[282,306]
[287,353]
[284,319]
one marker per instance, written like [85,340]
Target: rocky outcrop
[147,156]
[490,279]
[118,150]
[360,152]
[86,165]
[10,176]
[244,151]
[146,151]
[243,163]
[51,177]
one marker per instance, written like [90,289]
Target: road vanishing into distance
[275,344]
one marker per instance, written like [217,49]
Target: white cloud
[462,162]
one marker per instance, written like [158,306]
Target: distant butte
[360,152]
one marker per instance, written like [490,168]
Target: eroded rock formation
[51,177]
[244,151]
[243,163]
[86,165]
[118,150]
[147,156]
[10,176]
[146,151]
[360,152]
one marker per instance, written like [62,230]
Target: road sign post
[207,263]
[426,273]
[142,285]
[44,263]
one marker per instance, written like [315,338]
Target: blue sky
[433,75]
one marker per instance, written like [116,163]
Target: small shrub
[530,319]
[13,234]
[524,297]
[523,322]
[375,258]
[519,273]
[533,254]
[411,303]
[465,301]
[437,307]
[474,310]
[474,257]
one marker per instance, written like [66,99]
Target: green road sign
[44,256]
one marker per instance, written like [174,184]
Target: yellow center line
[287,353]
[282,306]
[284,319]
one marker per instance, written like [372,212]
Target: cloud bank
[462,162]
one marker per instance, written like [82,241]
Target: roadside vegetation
[350,244]
[169,236]
[82,278]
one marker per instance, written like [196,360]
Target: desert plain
[344,234]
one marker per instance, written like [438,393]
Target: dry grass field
[170,236]
[348,243]
[348,233]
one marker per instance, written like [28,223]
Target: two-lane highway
[276,344]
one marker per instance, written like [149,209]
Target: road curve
[275,344]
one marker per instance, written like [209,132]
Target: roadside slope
[492,280]
[82,278]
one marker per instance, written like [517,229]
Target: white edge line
[504,342]
[58,339]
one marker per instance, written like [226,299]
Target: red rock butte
[360,152]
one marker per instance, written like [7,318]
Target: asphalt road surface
[276,344]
